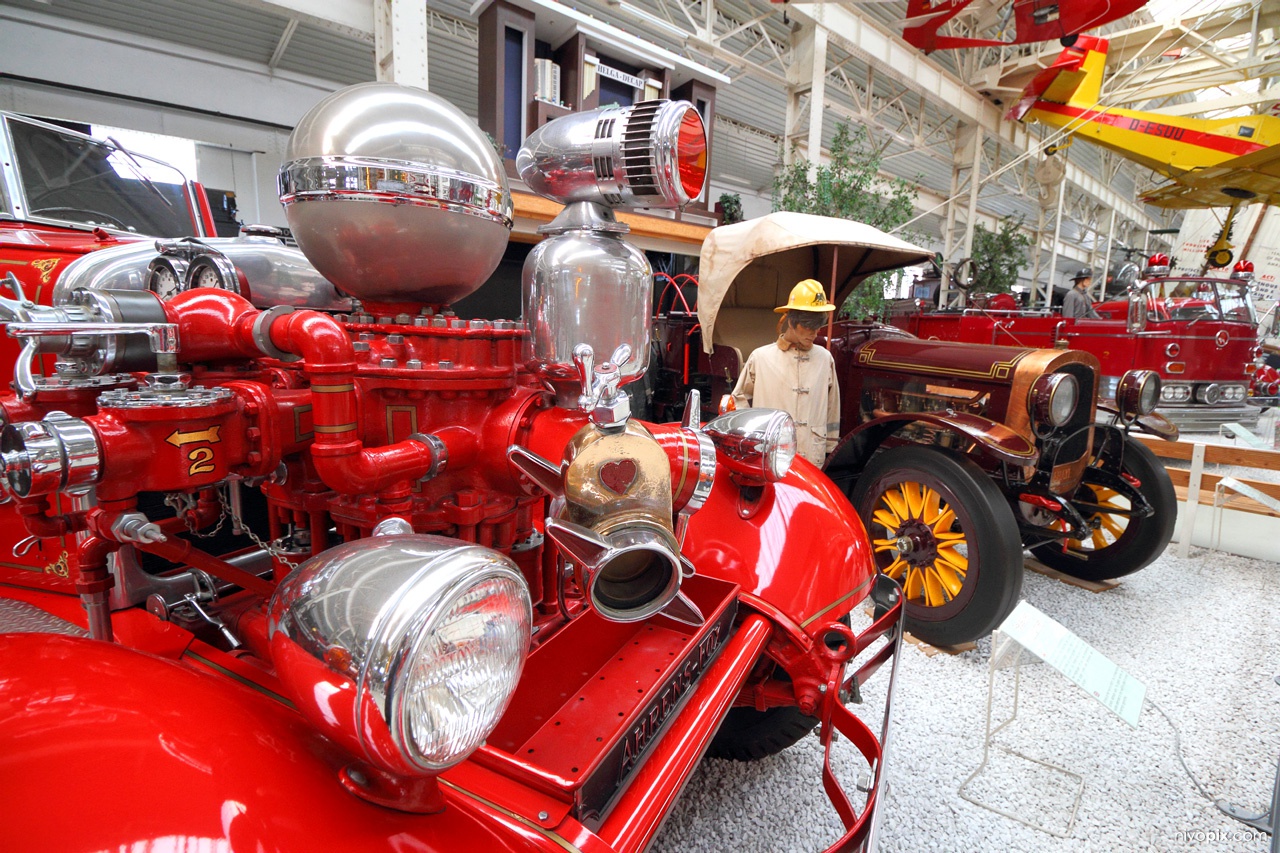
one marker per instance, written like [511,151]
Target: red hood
[51,238]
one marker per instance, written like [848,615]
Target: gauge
[164,277]
[206,276]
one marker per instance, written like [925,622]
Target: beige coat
[802,383]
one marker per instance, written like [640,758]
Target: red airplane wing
[1034,20]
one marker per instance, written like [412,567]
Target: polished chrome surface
[619,156]
[363,607]
[629,574]
[276,274]
[393,182]
[153,396]
[394,194]
[42,457]
[706,472]
[585,287]
[750,439]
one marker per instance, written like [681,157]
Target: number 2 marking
[201,461]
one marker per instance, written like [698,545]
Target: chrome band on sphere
[391,182]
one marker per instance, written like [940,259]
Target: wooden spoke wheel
[942,529]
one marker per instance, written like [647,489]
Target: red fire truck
[375,577]
[1198,332]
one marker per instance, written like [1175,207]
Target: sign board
[1086,667]
[621,76]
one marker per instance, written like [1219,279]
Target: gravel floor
[1202,633]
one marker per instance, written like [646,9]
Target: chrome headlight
[422,641]
[758,444]
[1138,393]
[1053,398]
[1175,392]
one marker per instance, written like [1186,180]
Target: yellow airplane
[1212,162]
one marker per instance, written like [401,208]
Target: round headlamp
[758,445]
[421,640]
[1053,398]
[1138,393]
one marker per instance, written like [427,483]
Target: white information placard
[1090,670]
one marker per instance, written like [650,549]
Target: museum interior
[640,425]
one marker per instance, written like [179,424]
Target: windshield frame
[1161,291]
[14,204]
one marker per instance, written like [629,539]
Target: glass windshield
[1237,302]
[1187,300]
[78,181]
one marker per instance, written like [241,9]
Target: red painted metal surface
[162,755]
[1193,349]
[610,718]
[752,552]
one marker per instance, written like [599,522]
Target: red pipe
[217,326]
[36,518]
[183,552]
[213,325]
[341,459]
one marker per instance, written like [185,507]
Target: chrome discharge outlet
[56,454]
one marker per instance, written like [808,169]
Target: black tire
[936,611]
[749,735]
[1119,548]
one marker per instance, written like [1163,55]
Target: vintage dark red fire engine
[376,577]
[1198,333]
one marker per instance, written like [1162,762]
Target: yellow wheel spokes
[897,503]
[1111,526]
[910,504]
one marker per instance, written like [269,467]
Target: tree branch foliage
[849,186]
[999,255]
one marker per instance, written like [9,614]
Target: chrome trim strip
[706,472]
[393,182]
[13,199]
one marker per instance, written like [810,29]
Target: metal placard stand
[1006,652]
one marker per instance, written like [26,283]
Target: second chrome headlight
[757,444]
[431,632]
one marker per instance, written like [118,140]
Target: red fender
[804,550]
[106,748]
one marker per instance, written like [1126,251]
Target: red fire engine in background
[1198,332]
[351,572]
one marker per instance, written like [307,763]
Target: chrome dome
[395,195]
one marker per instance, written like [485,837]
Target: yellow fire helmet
[808,295]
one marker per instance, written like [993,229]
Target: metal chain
[222,517]
[277,553]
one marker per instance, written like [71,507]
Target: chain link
[228,512]
[222,517]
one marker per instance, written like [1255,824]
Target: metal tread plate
[19,617]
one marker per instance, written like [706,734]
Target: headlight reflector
[1138,393]
[430,632]
[461,672]
[1053,398]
